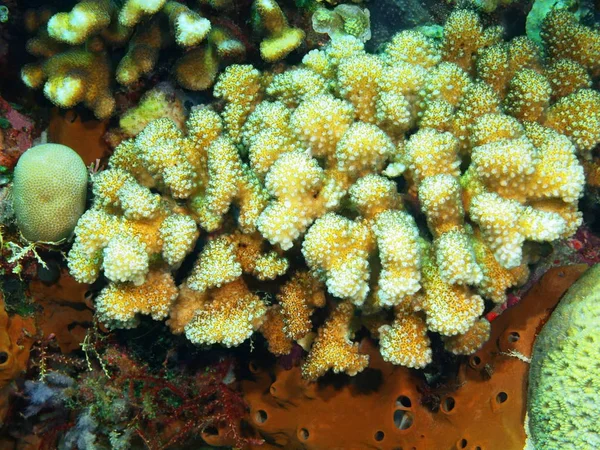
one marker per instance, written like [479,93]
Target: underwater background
[299,224]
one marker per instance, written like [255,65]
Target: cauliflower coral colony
[399,191]
[73,46]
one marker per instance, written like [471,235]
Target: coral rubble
[479,134]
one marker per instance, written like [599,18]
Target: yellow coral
[216,265]
[127,157]
[321,121]
[345,264]
[471,341]
[281,39]
[87,18]
[497,218]
[358,78]
[229,317]
[125,259]
[143,26]
[405,342]
[567,76]
[440,197]
[363,149]
[190,28]
[505,165]
[333,348]
[163,155]
[412,47]
[72,77]
[564,37]
[294,180]
[298,298]
[96,228]
[485,134]
[266,144]
[528,95]
[397,239]
[184,308]
[273,331]
[478,100]
[319,62]
[241,87]
[374,194]
[557,173]
[493,127]
[156,103]
[446,82]
[577,116]
[456,258]
[142,54]
[84,265]
[496,279]
[493,67]
[449,309]
[133,11]
[224,171]
[119,189]
[118,304]
[254,259]
[178,233]
[463,37]
[197,69]
[343,47]
[292,86]
[225,258]
[430,152]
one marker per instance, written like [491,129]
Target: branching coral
[132,233]
[280,39]
[333,347]
[75,47]
[229,315]
[484,135]
[343,19]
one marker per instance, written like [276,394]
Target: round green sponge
[49,191]
[564,379]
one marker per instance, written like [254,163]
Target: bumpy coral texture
[49,192]
[309,162]
[565,377]
[74,47]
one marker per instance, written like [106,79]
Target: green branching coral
[564,378]
[298,173]
[74,47]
